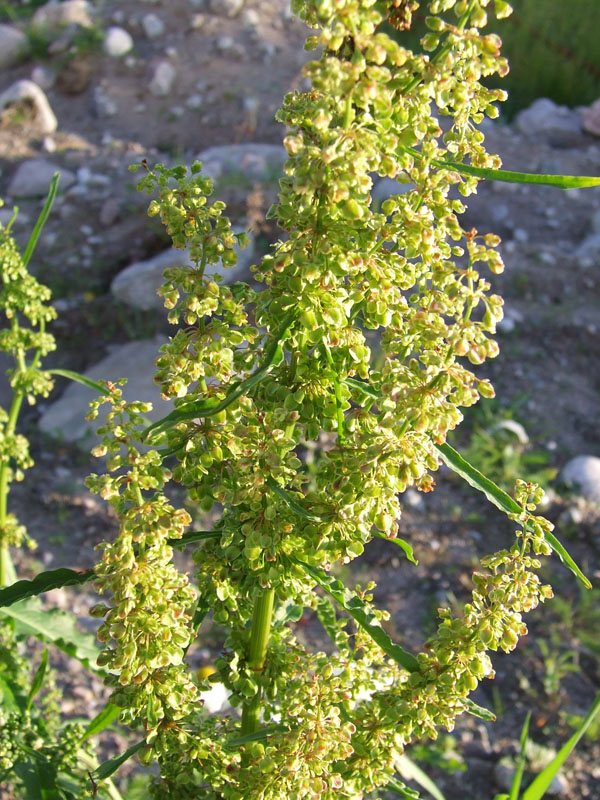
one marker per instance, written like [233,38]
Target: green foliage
[255,375]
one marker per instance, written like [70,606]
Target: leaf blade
[77,377]
[43,582]
[109,767]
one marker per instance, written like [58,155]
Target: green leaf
[78,378]
[108,768]
[479,711]
[55,627]
[516,784]
[10,697]
[402,543]
[538,787]
[402,790]
[41,221]
[507,176]
[328,619]
[38,679]
[361,614]
[257,736]
[289,500]
[101,721]
[43,582]
[409,770]
[39,779]
[502,500]
[193,536]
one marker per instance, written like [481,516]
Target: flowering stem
[259,638]
[5,559]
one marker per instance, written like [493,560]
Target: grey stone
[153,26]
[43,76]
[13,45]
[256,163]
[162,78]
[134,361]
[24,90]
[588,252]
[117,42]
[595,222]
[33,177]
[137,284]
[53,16]
[583,474]
[557,125]
[226,8]
[591,119]
[104,105]
[194,101]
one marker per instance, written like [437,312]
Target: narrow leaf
[516,784]
[257,736]
[193,536]
[38,679]
[290,502]
[101,721]
[507,176]
[41,220]
[479,711]
[537,789]
[362,615]
[411,771]
[402,543]
[502,500]
[11,699]
[108,768]
[402,790]
[55,627]
[78,378]
[43,582]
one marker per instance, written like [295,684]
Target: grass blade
[516,784]
[411,771]
[78,378]
[361,614]
[41,220]
[537,789]
[502,500]
[43,582]
[38,679]
[101,721]
[108,768]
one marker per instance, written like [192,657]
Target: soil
[547,374]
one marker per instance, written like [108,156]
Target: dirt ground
[547,375]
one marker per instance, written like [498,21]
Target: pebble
[33,177]
[583,475]
[588,253]
[559,126]
[194,101]
[13,45]
[54,16]
[162,78]
[29,91]
[104,105]
[43,76]
[252,162]
[521,235]
[117,42]
[197,21]
[591,119]
[153,26]
[226,8]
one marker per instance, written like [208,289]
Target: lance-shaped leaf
[400,789]
[77,377]
[508,176]
[502,500]
[101,721]
[38,679]
[480,711]
[402,543]
[257,736]
[361,614]
[43,582]
[55,627]
[41,220]
[290,502]
[108,768]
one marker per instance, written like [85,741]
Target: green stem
[259,639]
[5,559]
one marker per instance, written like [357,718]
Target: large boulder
[13,44]
[30,93]
[33,177]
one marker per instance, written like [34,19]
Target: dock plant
[256,372]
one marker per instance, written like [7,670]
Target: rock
[153,26]
[135,361]
[137,284]
[75,76]
[588,252]
[254,163]
[117,42]
[226,8]
[559,126]
[13,45]
[104,105]
[28,91]
[53,16]
[33,177]
[110,212]
[583,475]
[162,78]
[591,119]
[194,102]
[43,76]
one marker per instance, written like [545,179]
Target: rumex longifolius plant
[254,373]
